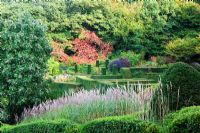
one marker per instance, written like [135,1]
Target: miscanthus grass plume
[86,105]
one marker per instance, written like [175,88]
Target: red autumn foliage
[90,49]
[87,50]
[58,53]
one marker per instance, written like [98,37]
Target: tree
[89,48]
[185,49]
[24,53]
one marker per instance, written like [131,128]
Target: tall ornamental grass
[86,105]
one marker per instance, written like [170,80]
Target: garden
[99,66]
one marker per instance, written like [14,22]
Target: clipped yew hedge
[119,125]
[187,120]
[59,126]
[185,85]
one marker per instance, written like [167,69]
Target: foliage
[146,64]
[186,120]
[103,71]
[3,113]
[90,48]
[130,55]
[126,73]
[184,81]
[119,63]
[24,54]
[58,53]
[184,49]
[53,67]
[120,125]
[55,126]
[140,26]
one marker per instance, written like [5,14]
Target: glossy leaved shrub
[24,53]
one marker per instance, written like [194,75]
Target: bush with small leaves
[185,84]
[187,120]
[56,126]
[120,125]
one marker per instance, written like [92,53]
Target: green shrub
[3,112]
[106,63]
[103,71]
[76,68]
[187,120]
[53,67]
[63,67]
[23,64]
[126,73]
[184,49]
[97,63]
[131,56]
[57,126]
[114,69]
[119,125]
[89,69]
[185,84]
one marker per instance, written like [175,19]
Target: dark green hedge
[148,69]
[116,125]
[185,82]
[143,72]
[42,127]
[89,83]
[126,73]
[187,120]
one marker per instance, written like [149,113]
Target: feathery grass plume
[88,105]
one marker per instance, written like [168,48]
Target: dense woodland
[151,28]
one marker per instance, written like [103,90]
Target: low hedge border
[126,73]
[138,72]
[59,126]
[89,83]
[186,120]
[149,69]
[120,125]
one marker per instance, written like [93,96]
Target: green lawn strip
[106,76]
[135,80]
